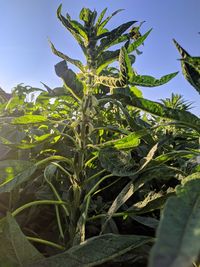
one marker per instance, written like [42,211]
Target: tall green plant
[85,150]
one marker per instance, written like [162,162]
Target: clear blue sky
[25,26]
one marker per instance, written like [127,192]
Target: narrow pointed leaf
[15,249]
[103,24]
[79,28]
[179,245]
[99,20]
[70,28]
[133,46]
[190,67]
[75,62]
[113,35]
[95,251]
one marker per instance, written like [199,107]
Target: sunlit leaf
[15,172]
[29,119]
[149,81]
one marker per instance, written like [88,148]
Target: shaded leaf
[15,248]
[95,251]
[119,163]
[152,202]
[179,245]
[71,81]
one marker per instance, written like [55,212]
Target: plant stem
[35,203]
[45,242]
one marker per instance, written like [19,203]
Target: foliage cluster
[91,171]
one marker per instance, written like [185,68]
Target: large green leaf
[95,251]
[155,108]
[15,249]
[178,235]
[149,81]
[15,172]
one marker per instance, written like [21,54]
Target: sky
[26,26]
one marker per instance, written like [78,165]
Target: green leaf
[149,81]
[29,119]
[15,249]
[133,46]
[137,92]
[75,62]
[121,198]
[71,29]
[99,20]
[153,201]
[155,108]
[101,26]
[79,27]
[193,176]
[106,58]
[85,15]
[130,188]
[117,162]
[125,64]
[71,81]
[178,245]
[190,67]
[14,173]
[113,35]
[128,142]
[95,251]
